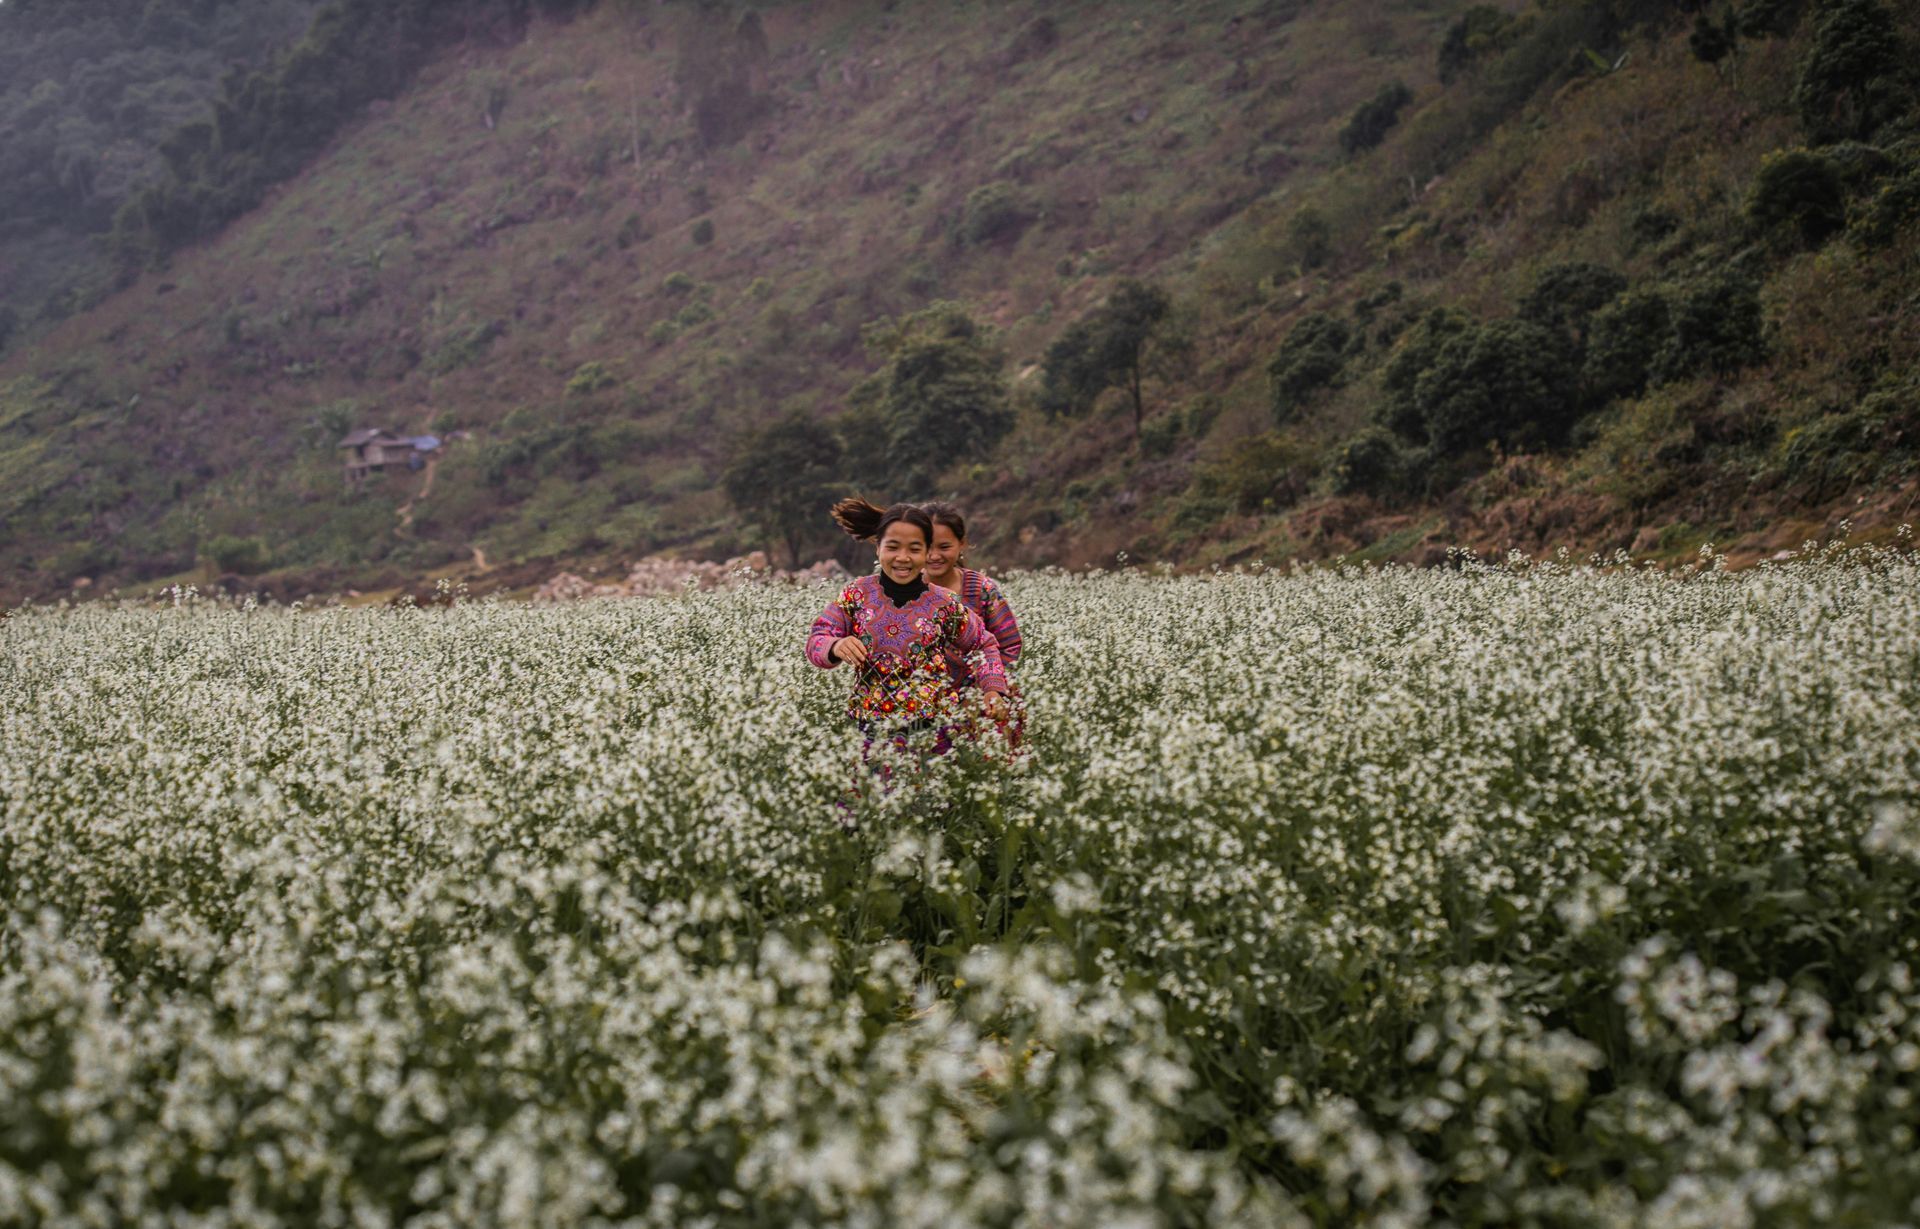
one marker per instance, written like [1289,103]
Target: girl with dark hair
[946,569]
[903,635]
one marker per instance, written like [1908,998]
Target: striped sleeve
[999,620]
[990,674]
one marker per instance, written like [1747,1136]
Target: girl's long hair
[866,522]
[941,513]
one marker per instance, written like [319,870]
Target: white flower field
[1529,893]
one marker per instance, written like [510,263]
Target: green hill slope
[596,260]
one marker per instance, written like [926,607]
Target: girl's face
[903,552]
[943,554]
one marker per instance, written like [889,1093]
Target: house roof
[366,435]
[426,443]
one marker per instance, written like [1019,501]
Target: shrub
[465,346]
[1853,79]
[633,229]
[678,284]
[328,424]
[1565,296]
[1479,32]
[1310,238]
[1801,191]
[1887,212]
[1769,18]
[84,558]
[1841,449]
[589,377]
[1399,410]
[1651,223]
[1717,327]
[1373,302]
[1508,381]
[992,212]
[1159,436]
[692,315]
[1713,41]
[1370,123]
[1262,474]
[1370,462]
[1861,165]
[703,232]
[241,556]
[1624,341]
[1309,360]
[1200,413]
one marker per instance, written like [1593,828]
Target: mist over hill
[1201,282]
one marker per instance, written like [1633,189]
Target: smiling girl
[902,635]
[946,569]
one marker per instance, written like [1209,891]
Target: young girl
[902,635]
[946,568]
[946,561]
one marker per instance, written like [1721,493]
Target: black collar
[900,594]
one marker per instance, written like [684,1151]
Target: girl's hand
[850,649]
[996,706]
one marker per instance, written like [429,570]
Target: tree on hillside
[1479,32]
[1508,381]
[1718,327]
[1854,77]
[1712,41]
[1799,192]
[1399,408]
[1370,124]
[939,398]
[1624,341]
[1310,359]
[1769,18]
[1106,349]
[783,477]
[1565,297]
[88,89]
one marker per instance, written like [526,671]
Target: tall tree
[1106,349]
[1854,78]
[939,398]
[782,479]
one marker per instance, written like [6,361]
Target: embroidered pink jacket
[921,654]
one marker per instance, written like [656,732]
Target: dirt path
[426,489]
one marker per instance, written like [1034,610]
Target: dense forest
[90,93]
[1208,282]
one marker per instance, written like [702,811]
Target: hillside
[596,259]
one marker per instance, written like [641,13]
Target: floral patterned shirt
[910,672]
